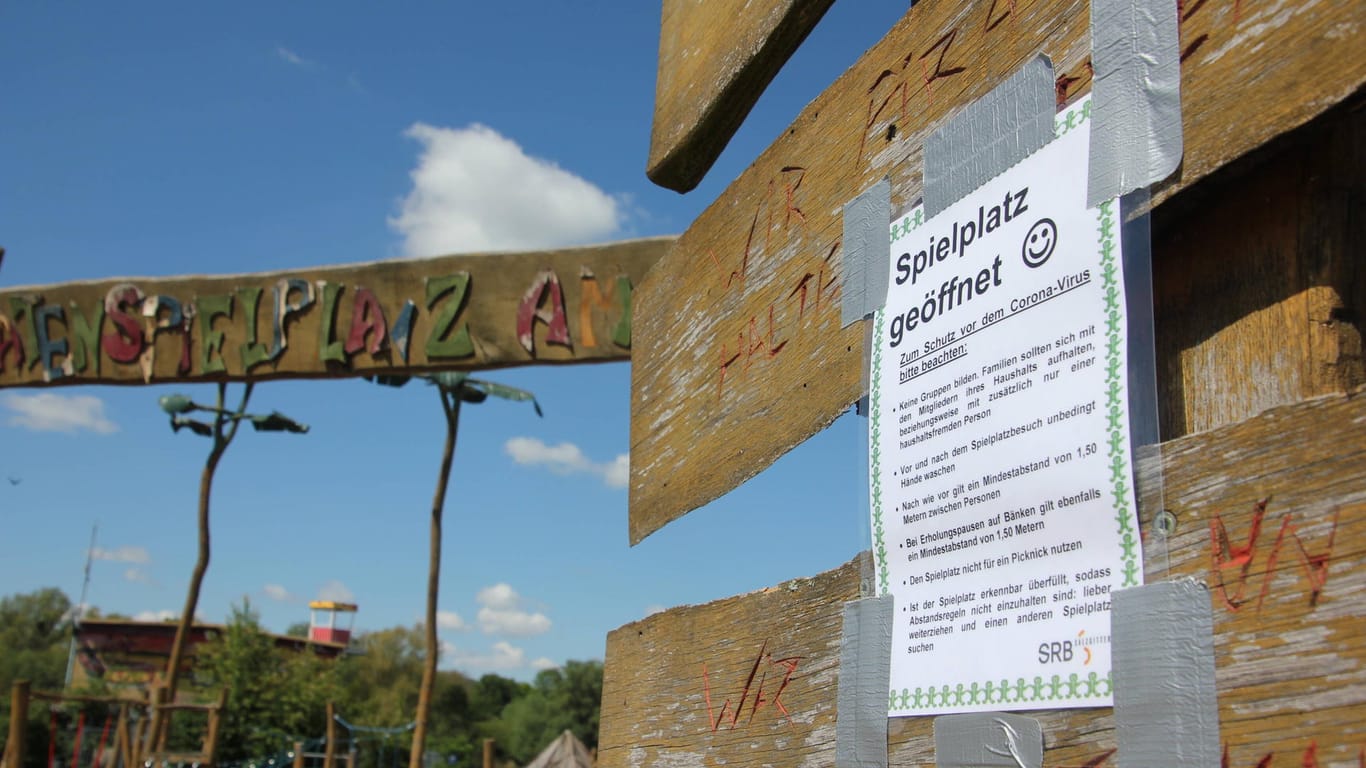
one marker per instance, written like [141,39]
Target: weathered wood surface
[1260,294]
[751,680]
[453,312]
[1287,585]
[741,354]
[715,59]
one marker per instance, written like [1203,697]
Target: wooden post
[123,747]
[298,754]
[18,719]
[139,744]
[159,727]
[215,727]
[488,753]
[330,747]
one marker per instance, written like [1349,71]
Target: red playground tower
[323,624]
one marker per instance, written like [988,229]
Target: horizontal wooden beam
[1270,513]
[741,354]
[715,59]
[393,317]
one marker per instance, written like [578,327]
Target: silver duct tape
[990,135]
[1162,651]
[988,740]
[865,668]
[867,251]
[1135,96]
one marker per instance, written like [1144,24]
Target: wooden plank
[742,356]
[715,59]
[1288,588]
[751,679]
[1259,288]
[393,317]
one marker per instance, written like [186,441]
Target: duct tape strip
[988,740]
[1162,652]
[867,252]
[990,135]
[1136,96]
[865,667]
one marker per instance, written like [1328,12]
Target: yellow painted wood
[741,355]
[465,315]
[1270,512]
[715,59]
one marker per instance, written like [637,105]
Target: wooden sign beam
[742,355]
[1270,513]
[715,59]
[392,317]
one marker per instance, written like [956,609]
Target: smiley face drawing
[1039,243]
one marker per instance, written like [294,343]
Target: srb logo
[1055,652]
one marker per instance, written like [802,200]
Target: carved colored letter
[47,348]
[253,352]
[529,311]
[211,341]
[329,348]
[402,332]
[176,319]
[367,318]
[126,342]
[10,345]
[442,342]
[284,308]
[85,347]
[591,298]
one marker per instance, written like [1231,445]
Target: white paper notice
[1000,480]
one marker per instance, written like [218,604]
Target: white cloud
[46,412]
[138,576]
[476,190]
[500,595]
[286,54]
[501,613]
[515,622]
[451,620]
[568,459]
[336,591]
[652,609]
[165,614]
[136,555]
[278,592]
[502,657]
[543,663]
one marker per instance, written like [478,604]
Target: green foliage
[279,696]
[562,699]
[275,695]
[35,631]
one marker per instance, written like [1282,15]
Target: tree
[561,699]
[35,629]
[454,388]
[275,694]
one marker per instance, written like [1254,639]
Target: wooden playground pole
[18,718]
[488,753]
[216,728]
[298,754]
[156,729]
[330,744]
[123,746]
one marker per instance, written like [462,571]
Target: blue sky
[168,138]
